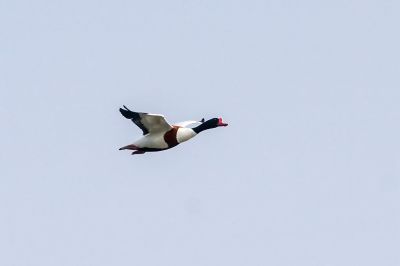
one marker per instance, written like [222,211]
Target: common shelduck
[159,135]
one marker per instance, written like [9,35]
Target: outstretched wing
[148,123]
[188,123]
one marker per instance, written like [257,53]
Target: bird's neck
[204,126]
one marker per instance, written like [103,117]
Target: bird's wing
[148,123]
[187,123]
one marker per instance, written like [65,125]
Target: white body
[156,140]
[185,134]
[152,140]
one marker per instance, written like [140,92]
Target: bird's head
[211,123]
[220,123]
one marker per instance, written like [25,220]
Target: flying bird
[159,135]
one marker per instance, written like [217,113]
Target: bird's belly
[152,141]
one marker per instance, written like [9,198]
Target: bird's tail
[129,147]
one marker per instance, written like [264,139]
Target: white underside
[156,140]
[185,134]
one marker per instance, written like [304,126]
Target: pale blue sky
[307,173]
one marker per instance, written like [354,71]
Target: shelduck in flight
[159,135]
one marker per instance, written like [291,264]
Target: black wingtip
[202,120]
[126,113]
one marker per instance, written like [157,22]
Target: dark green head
[212,123]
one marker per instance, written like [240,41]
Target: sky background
[307,172]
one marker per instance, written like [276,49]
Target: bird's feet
[138,152]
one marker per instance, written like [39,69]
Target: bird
[159,135]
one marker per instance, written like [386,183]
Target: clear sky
[307,173]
